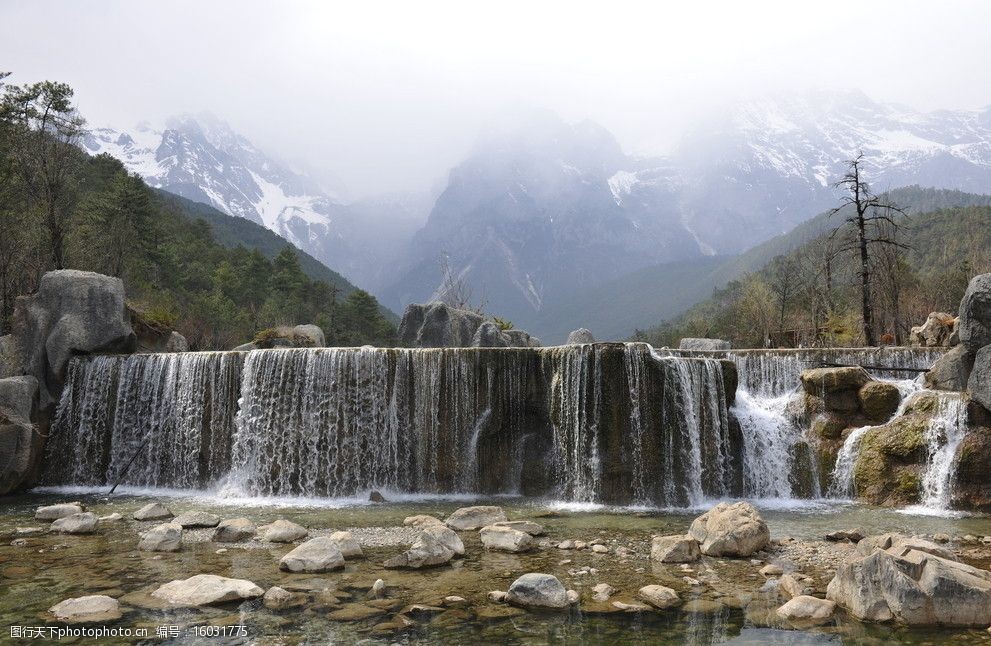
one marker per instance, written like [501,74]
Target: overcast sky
[388,96]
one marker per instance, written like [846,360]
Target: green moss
[908,484]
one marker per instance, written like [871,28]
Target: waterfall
[768,440]
[944,433]
[577,397]
[842,485]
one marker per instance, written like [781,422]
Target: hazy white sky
[387,96]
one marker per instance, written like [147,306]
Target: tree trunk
[865,287]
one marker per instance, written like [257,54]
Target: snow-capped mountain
[203,159]
[768,165]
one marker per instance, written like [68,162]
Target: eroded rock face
[913,587]
[536,590]
[436,545]
[730,530]
[320,554]
[88,609]
[206,590]
[679,548]
[73,312]
[975,314]
[474,518]
[505,539]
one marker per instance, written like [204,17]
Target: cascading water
[768,440]
[944,433]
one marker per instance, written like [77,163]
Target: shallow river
[727,609]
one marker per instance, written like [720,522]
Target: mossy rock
[922,402]
[973,487]
[878,400]
[819,381]
[890,460]
[827,426]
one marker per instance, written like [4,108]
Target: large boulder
[580,336]
[73,312]
[435,545]
[975,313]
[979,382]
[735,529]
[21,443]
[320,554]
[911,586]
[234,530]
[438,325]
[347,543]
[473,518]
[206,590]
[10,357]
[951,371]
[879,400]
[153,511]
[704,345]
[819,381]
[287,336]
[935,332]
[536,590]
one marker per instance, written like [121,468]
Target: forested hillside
[798,298]
[183,265]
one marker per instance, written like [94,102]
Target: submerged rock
[730,530]
[474,518]
[321,554]
[192,519]
[659,596]
[84,523]
[911,586]
[153,511]
[277,598]
[505,539]
[88,609]
[807,609]
[283,531]
[679,548]
[166,537]
[602,592]
[61,510]
[206,590]
[536,590]
[234,530]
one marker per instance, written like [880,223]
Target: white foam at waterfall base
[768,438]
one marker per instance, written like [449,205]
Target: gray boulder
[73,312]
[528,526]
[435,545]
[192,519]
[20,442]
[82,523]
[89,609]
[61,510]
[951,371]
[659,596]
[283,531]
[580,336]
[730,530]
[536,590]
[438,325]
[176,343]
[979,383]
[206,590]
[312,333]
[473,518]
[911,586]
[704,345]
[505,539]
[153,511]
[805,609]
[166,537]
[234,530]
[321,554]
[975,313]
[678,548]
[347,543]
[10,362]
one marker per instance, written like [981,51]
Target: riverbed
[724,600]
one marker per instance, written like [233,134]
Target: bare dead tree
[455,291]
[873,225]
